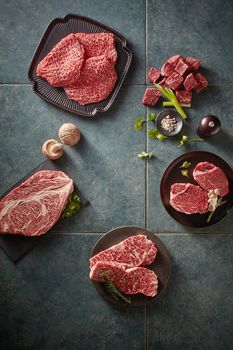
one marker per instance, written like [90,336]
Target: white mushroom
[69,134]
[52,149]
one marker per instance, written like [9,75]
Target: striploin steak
[130,281]
[211,177]
[33,207]
[188,198]
[133,251]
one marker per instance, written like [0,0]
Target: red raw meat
[130,281]
[167,69]
[174,59]
[194,62]
[188,198]
[153,75]
[163,82]
[211,177]
[151,96]
[202,82]
[174,81]
[33,207]
[184,97]
[62,66]
[182,67]
[133,251]
[96,81]
[190,82]
[98,44]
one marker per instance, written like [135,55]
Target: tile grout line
[146,173]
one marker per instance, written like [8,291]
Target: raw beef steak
[96,81]
[211,177]
[167,69]
[188,198]
[33,207]
[98,44]
[130,281]
[133,251]
[62,66]
[174,59]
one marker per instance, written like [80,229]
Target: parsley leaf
[138,124]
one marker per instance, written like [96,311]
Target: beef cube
[190,82]
[153,75]
[174,59]
[182,67]
[174,81]
[184,97]
[194,62]
[202,82]
[151,96]
[163,82]
[167,69]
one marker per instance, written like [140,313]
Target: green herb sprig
[184,168]
[152,117]
[73,206]
[139,123]
[155,134]
[184,139]
[112,290]
[169,94]
[219,203]
[143,154]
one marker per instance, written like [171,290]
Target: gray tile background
[47,300]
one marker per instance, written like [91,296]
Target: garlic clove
[69,134]
[52,149]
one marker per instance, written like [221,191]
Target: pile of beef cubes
[179,74]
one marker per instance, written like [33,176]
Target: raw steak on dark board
[133,251]
[130,281]
[188,198]
[211,177]
[33,207]
[62,66]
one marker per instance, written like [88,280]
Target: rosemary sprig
[112,290]
[219,203]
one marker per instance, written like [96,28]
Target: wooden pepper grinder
[209,125]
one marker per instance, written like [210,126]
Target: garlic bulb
[52,149]
[69,134]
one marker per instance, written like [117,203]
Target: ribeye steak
[33,207]
[130,281]
[133,251]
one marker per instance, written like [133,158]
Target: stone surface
[48,302]
[195,311]
[192,28]
[23,24]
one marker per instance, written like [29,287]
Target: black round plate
[173,174]
[161,266]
